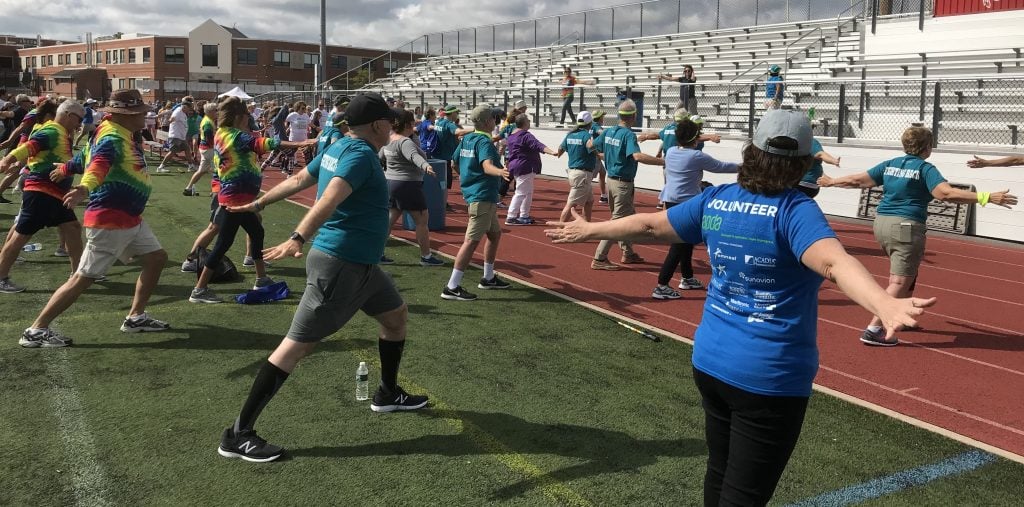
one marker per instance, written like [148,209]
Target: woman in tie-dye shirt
[237,159]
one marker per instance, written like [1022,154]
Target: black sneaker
[247,445]
[493,283]
[143,323]
[384,259]
[384,401]
[457,294]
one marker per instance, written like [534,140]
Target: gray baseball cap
[786,133]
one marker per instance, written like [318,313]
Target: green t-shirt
[477,186]
[446,139]
[357,229]
[575,146]
[618,145]
[908,182]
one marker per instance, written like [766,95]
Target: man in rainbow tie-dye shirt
[42,203]
[116,179]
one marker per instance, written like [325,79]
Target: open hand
[977,162]
[75,196]
[57,175]
[902,314]
[289,248]
[245,208]
[1004,198]
[825,181]
[568,232]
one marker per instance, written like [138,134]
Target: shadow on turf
[602,451]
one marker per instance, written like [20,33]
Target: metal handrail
[821,40]
[554,46]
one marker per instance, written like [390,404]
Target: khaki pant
[620,201]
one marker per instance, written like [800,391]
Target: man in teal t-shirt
[342,272]
[582,162]
[621,155]
[480,174]
[448,134]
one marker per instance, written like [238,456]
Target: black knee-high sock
[390,357]
[264,387]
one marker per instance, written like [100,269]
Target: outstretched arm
[946,192]
[639,228]
[860,180]
[977,162]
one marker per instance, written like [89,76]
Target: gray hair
[21,98]
[627,105]
[210,109]
[71,107]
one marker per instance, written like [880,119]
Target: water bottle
[810,114]
[362,382]
[32,247]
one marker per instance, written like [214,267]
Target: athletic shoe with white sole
[457,294]
[45,338]
[690,283]
[60,252]
[877,339]
[263,282]
[247,445]
[143,323]
[493,283]
[204,296]
[665,292]
[189,266]
[385,401]
[9,287]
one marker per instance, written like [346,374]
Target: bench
[942,216]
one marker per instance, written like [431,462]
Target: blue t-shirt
[477,186]
[357,229]
[770,86]
[684,169]
[575,146]
[618,145]
[810,179]
[447,141]
[908,182]
[88,119]
[428,138]
[759,327]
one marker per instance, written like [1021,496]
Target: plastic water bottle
[362,382]
[32,247]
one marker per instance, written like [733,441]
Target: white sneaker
[45,338]
[690,283]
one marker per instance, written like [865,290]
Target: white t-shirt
[298,126]
[179,124]
[150,119]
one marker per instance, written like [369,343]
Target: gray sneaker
[188,266]
[263,282]
[665,292]
[877,339]
[690,283]
[60,252]
[249,262]
[46,338]
[204,296]
[9,287]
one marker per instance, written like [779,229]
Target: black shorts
[39,211]
[214,206]
[407,195]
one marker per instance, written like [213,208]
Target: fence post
[750,112]
[613,23]
[874,15]
[657,102]
[842,114]
[920,17]
[718,14]
[536,107]
[582,106]
[936,114]
[642,20]
[423,103]
[444,98]
[679,16]
[924,92]
[474,98]
[860,116]
[505,104]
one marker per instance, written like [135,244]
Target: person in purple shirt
[523,151]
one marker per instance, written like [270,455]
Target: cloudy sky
[384,24]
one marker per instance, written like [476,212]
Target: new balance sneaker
[249,262]
[263,282]
[457,294]
[513,221]
[143,323]
[665,292]
[632,258]
[189,266]
[45,338]
[60,252]
[9,287]
[385,401]
[247,445]
[493,283]
[877,339]
[204,296]
[384,259]
[430,260]
[604,265]
[526,221]
[690,283]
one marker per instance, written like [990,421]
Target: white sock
[874,329]
[488,270]
[455,280]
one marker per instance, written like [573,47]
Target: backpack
[223,273]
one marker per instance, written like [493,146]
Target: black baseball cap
[367,108]
[342,100]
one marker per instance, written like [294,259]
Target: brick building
[209,60]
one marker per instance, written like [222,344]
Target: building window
[339,62]
[145,55]
[99,58]
[106,57]
[131,55]
[282,58]
[78,58]
[209,55]
[67,58]
[309,60]
[174,54]
[60,59]
[246,56]
[391,65]
[131,82]
[35,63]
[120,56]
[366,61]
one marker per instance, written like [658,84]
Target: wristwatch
[298,237]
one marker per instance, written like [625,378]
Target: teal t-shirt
[575,146]
[446,139]
[668,137]
[618,145]
[816,171]
[358,228]
[327,137]
[908,182]
[595,129]
[477,186]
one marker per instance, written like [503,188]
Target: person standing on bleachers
[687,88]
[568,83]
[774,88]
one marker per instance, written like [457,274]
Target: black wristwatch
[298,237]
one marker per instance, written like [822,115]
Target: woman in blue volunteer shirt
[685,164]
[910,184]
[755,353]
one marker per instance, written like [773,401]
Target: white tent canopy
[235,92]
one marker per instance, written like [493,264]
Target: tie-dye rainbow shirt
[48,146]
[116,176]
[206,132]
[238,164]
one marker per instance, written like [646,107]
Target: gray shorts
[335,290]
[175,145]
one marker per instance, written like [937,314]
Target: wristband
[983,198]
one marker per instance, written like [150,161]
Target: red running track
[963,371]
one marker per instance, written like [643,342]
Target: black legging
[567,107]
[679,254]
[750,438]
[229,224]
